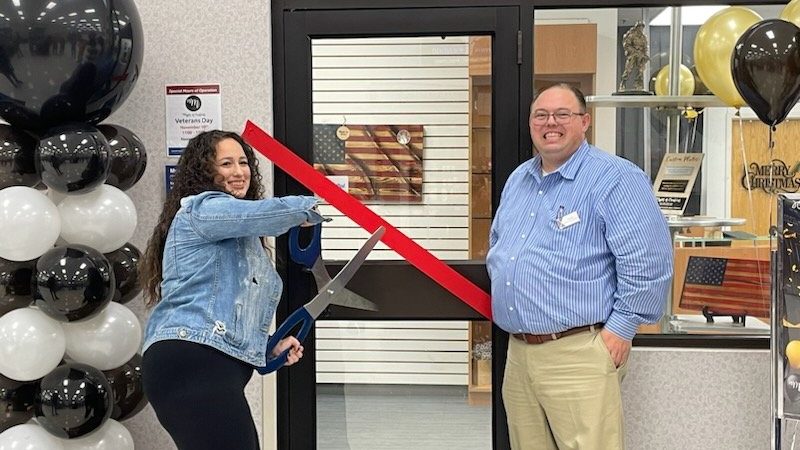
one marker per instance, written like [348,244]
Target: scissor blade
[345,297]
[350,299]
[327,293]
[321,275]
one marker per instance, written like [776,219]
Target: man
[580,256]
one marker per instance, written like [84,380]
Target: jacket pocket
[235,332]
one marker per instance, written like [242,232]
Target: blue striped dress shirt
[584,244]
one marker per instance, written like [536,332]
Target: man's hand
[618,348]
[295,350]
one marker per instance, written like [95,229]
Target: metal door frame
[295,24]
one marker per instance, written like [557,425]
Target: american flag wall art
[381,162]
[727,286]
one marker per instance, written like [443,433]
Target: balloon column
[69,367]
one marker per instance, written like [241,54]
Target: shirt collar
[568,170]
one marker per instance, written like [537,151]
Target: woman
[214,291]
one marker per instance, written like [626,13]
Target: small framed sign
[675,181]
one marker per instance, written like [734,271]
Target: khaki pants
[563,394]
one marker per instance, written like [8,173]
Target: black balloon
[72,282]
[126,385]
[73,400]
[73,158]
[16,401]
[16,287]
[128,156]
[125,263]
[71,60]
[766,68]
[16,158]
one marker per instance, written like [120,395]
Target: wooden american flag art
[381,162]
[727,286]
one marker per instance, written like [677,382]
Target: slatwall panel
[396,352]
[399,81]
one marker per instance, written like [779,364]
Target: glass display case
[723,232]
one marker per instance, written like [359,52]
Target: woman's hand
[315,210]
[295,350]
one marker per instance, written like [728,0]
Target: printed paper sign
[191,109]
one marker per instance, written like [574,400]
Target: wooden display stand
[480,194]
[566,53]
[480,370]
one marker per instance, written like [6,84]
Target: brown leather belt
[542,338]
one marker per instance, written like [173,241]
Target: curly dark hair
[196,173]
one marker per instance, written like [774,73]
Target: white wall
[192,41]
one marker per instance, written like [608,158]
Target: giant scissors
[332,292]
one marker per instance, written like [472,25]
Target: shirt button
[533,214]
[541,192]
[513,258]
[523,236]
[182,333]
[510,308]
[520,330]
[508,283]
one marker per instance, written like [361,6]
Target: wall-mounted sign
[169,177]
[775,176]
[675,181]
[191,109]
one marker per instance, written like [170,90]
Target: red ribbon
[420,258]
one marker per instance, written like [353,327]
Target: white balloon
[103,219]
[111,436]
[29,221]
[105,341]
[31,344]
[29,437]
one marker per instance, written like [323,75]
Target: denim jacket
[219,286]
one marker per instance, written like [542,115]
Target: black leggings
[197,393]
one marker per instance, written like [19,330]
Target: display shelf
[683,323]
[654,101]
[679,239]
[701,221]
[480,388]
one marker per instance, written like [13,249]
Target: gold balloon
[793,353]
[791,12]
[685,81]
[713,49]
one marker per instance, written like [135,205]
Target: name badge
[569,220]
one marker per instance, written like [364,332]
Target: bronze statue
[634,43]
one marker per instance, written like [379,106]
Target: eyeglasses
[562,116]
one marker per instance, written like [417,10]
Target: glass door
[406,110]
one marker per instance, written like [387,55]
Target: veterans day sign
[191,109]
